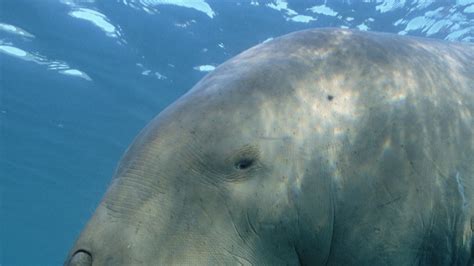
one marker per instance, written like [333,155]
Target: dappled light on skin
[386,146]
[453,56]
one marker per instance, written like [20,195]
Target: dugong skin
[324,146]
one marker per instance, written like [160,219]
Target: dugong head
[225,175]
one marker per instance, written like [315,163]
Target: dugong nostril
[81,258]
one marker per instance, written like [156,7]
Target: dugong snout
[80,258]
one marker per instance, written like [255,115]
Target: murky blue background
[79,79]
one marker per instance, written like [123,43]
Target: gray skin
[321,147]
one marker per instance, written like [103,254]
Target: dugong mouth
[80,258]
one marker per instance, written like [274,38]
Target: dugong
[321,147]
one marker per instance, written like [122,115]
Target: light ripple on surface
[323,10]
[15,30]
[96,18]
[149,6]
[205,68]
[289,14]
[63,68]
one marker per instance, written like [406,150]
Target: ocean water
[80,78]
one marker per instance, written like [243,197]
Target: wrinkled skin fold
[321,147]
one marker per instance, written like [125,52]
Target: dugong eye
[243,164]
[245,158]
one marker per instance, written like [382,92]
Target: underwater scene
[349,141]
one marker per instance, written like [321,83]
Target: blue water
[79,79]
